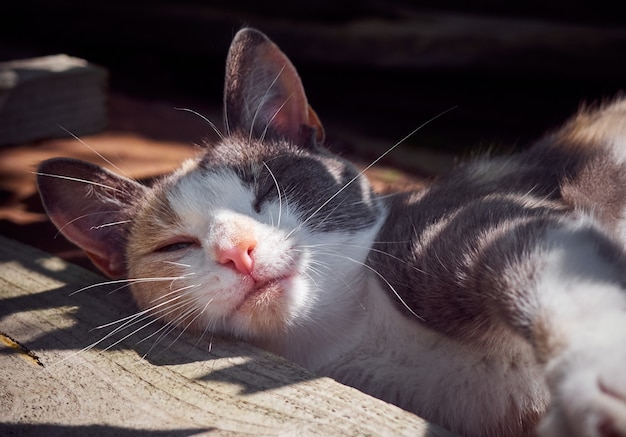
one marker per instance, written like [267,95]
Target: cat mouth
[266,292]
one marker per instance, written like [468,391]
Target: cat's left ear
[92,207]
[263,94]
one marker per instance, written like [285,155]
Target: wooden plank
[171,384]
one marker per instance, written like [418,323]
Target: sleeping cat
[492,302]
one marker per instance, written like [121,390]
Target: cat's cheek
[149,280]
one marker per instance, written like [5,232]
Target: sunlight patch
[52,264]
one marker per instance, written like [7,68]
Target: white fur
[588,323]
[321,307]
[399,360]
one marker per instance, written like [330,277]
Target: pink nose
[239,256]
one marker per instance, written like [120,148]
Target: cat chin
[267,310]
[263,314]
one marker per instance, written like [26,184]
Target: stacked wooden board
[50,97]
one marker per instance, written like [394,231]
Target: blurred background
[373,71]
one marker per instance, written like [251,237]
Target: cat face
[263,235]
[255,248]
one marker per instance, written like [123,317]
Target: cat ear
[92,207]
[263,94]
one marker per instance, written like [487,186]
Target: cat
[491,302]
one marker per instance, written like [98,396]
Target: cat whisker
[149,314]
[389,195]
[122,320]
[127,282]
[207,330]
[280,197]
[85,181]
[215,129]
[178,290]
[177,323]
[138,282]
[310,267]
[381,276]
[328,216]
[170,326]
[95,151]
[316,267]
[128,321]
[61,228]
[261,103]
[441,262]
[177,264]
[151,320]
[308,275]
[146,313]
[317,270]
[105,225]
[269,122]
[373,163]
[370,249]
[391,287]
[329,270]
[325,269]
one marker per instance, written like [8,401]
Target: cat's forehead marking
[334,169]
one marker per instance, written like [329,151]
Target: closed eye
[262,197]
[256,205]
[178,244]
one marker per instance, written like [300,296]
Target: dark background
[378,68]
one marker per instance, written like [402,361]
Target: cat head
[262,235]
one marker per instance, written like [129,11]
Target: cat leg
[588,382]
[580,333]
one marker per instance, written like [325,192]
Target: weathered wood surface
[172,386]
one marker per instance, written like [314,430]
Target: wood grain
[164,385]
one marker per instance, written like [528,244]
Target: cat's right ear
[263,93]
[92,207]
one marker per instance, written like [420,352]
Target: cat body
[488,302]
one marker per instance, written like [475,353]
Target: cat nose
[238,255]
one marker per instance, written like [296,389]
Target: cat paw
[588,397]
